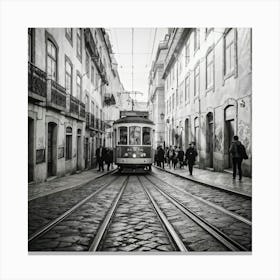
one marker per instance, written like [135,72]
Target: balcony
[56,97]
[92,120]
[87,119]
[82,113]
[37,84]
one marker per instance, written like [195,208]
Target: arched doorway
[209,138]
[229,132]
[52,149]
[187,127]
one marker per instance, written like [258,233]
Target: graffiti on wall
[218,139]
[245,135]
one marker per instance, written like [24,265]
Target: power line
[132,35]
[153,45]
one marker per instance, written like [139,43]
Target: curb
[69,188]
[205,183]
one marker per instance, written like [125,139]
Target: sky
[145,43]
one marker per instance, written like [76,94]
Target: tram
[133,141]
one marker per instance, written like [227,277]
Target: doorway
[230,130]
[51,168]
[79,148]
[30,149]
[187,140]
[86,153]
[209,138]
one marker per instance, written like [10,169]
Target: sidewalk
[221,180]
[63,183]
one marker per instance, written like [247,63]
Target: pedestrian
[161,156]
[175,157]
[191,154]
[238,153]
[170,156]
[100,155]
[181,157]
[108,158]
[156,158]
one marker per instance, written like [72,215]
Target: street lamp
[162,116]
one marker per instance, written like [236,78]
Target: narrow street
[148,212]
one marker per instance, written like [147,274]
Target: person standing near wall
[100,156]
[238,153]
[191,154]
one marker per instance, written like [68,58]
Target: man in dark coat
[109,158]
[160,155]
[235,150]
[181,157]
[191,154]
[100,156]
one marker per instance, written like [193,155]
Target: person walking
[161,157]
[170,156]
[238,153]
[175,157]
[181,157]
[108,158]
[100,155]
[191,154]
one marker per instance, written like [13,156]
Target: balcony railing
[87,119]
[58,96]
[74,105]
[82,109]
[97,123]
[37,83]
[92,119]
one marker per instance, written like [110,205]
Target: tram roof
[133,119]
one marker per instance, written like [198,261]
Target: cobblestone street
[153,212]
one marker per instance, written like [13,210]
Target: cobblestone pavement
[219,179]
[135,225]
[193,236]
[235,229]
[77,230]
[232,202]
[44,209]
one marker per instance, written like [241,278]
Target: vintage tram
[132,140]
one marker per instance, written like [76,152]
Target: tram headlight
[125,155]
[134,155]
[143,154]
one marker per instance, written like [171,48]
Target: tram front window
[146,136]
[135,135]
[122,135]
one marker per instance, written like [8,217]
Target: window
[196,39]
[92,74]
[69,34]
[135,135]
[79,43]
[229,53]
[210,69]
[181,93]
[187,91]
[31,44]
[196,80]
[122,135]
[87,64]
[68,76]
[87,103]
[187,53]
[79,87]
[51,60]
[92,107]
[68,143]
[146,133]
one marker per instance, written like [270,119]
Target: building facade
[208,92]
[156,98]
[68,75]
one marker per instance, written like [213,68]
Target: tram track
[43,210]
[58,221]
[227,242]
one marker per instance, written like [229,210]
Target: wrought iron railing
[87,119]
[82,109]
[92,120]
[58,94]
[97,123]
[74,105]
[37,80]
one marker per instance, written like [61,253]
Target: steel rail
[170,229]
[220,208]
[63,216]
[212,230]
[106,222]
